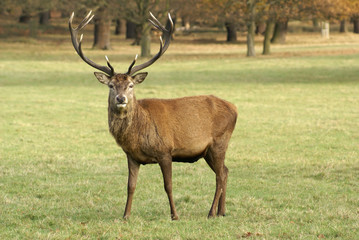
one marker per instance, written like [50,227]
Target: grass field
[293,158]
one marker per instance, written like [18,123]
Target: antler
[163,47]
[77,44]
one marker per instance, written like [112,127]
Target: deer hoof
[211,214]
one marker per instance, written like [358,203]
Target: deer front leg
[166,168]
[133,168]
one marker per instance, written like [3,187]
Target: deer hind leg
[215,160]
[222,199]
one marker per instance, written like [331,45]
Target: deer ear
[103,78]
[139,77]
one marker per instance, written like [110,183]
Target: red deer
[164,130]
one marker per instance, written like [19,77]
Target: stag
[163,130]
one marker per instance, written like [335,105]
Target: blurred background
[244,22]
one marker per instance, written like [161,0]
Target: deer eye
[111,85]
[131,85]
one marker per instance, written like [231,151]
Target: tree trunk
[250,39]
[280,32]
[130,30]
[231,31]
[343,26]
[316,26]
[356,25]
[251,26]
[146,41]
[120,26]
[24,17]
[267,36]
[138,34]
[102,30]
[44,17]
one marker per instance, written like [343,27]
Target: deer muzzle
[121,101]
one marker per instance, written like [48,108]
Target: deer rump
[184,128]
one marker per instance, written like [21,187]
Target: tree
[353,6]
[44,17]
[331,10]
[267,36]
[188,10]
[224,12]
[343,26]
[27,10]
[269,16]
[137,11]
[280,31]
[231,27]
[130,30]
[282,11]
[40,8]
[251,26]
[102,29]
[120,26]
[104,11]
[277,14]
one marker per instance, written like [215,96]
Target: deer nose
[121,99]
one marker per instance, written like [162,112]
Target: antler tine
[71,18]
[157,23]
[133,63]
[163,47]
[85,21]
[170,32]
[77,44]
[110,66]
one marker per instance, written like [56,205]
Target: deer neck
[121,121]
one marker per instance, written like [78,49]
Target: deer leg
[216,163]
[217,195]
[133,168]
[222,199]
[166,168]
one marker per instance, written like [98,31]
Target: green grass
[293,158]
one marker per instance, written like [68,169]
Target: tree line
[267,17]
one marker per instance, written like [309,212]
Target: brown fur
[166,130]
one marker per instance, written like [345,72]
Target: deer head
[121,87]
[120,84]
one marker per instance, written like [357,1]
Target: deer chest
[144,149]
